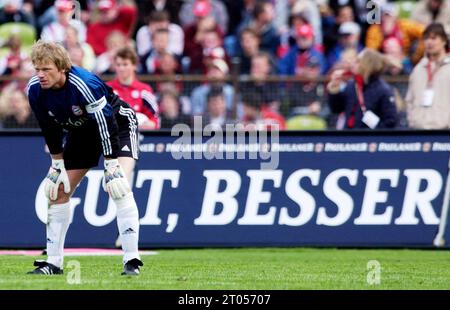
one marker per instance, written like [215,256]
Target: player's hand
[114,180]
[57,174]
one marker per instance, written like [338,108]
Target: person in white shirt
[56,31]
[160,20]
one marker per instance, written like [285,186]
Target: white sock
[128,224]
[57,225]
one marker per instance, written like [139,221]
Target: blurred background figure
[147,8]
[262,21]
[332,21]
[81,53]
[258,116]
[432,11]
[46,12]
[137,94]
[160,20]
[214,8]
[15,11]
[112,17]
[217,72]
[249,47]
[212,48]
[348,44]
[114,41]
[304,59]
[15,61]
[194,37]
[428,94]
[15,111]
[262,65]
[171,110]
[366,101]
[56,31]
[401,65]
[216,115]
[305,12]
[408,32]
[151,60]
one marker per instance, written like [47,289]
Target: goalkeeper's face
[50,77]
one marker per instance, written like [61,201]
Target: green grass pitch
[246,268]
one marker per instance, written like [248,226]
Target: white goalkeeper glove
[114,180]
[57,174]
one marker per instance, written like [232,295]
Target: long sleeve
[337,102]
[388,111]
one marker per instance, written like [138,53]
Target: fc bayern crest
[77,110]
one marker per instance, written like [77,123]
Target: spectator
[160,20]
[81,53]
[151,60]
[194,37]
[56,31]
[307,11]
[113,18]
[104,62]
[249,41]
[216,8]
[212,48]
[217,115]
[13,11]
[359,8]
[263,15]
[261,69]
[332,24]
[15,111]
[248,6]
[148,7]
[137,94]
[401,65]
[428,91]
[76,55]
[216,72]
[16,63]
[304,59]
[45,12]
[168,66]
[408,32]
[366,101]
[432,11]
[170,108]
[349,35]
[258,116]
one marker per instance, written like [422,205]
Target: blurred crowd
[351,44]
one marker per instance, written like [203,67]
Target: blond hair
[44,52]
[371,62]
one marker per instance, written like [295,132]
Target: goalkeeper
[75,106]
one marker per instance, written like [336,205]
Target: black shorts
[83,147]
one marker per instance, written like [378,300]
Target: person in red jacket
[139,95]
[113,17]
